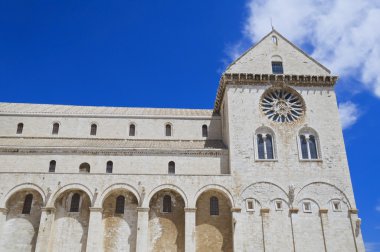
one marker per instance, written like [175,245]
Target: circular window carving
[282,105]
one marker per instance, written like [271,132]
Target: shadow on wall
[71,225]
[167,223]
[213,232]
[120,223]
[25,225]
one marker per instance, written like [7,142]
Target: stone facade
[235,178]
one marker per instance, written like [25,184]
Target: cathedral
[264,170]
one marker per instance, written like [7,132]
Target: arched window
[93,130]
[308,143]
[109,167]
[132,130]
[204,131]
[214,206]
[27,204]
[20,127]
[277,67]
[168,130]
[52,166]
[55,129]
[265,143]
[84,168]
[171,167]
[75,201]
[167,204]
[120,203]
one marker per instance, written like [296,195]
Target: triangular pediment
[275,47]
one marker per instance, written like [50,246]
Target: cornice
[114,152]
[271,79]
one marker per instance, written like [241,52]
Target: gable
[257,60]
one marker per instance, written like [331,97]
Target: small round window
[282,105]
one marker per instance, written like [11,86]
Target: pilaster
[356,230]
[142,243]
[44,230]
[95,230]
[238,235]
[190,229]
[3,217]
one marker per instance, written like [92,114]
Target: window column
[142,241]
[95,230]
[190,229]
[44,230]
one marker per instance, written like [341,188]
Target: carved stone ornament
[282,105]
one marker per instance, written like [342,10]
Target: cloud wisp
[348,113]
[342,33]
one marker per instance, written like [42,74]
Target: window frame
[171,130]
[93,130]
[247,201]
[307,132]
[118,208]
[278,208]
[339,208]
[28,203]
[132,125]
[280,66]
[304,204]
[55,131]
[265,131]
[204,131]
[167,209]
[171,168]
[109,167]
[52,166]
[214,206]
[70,206]
[87,171]
[20,128]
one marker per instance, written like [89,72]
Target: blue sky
[171,53]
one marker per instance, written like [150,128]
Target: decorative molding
[115,152]
[142,209]
[293,210]
[96,209]
[48,209]
[353,211]
[323,211]
[270,79]
[190,209]
[264,210]
[236,210]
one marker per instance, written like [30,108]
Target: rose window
[282,105]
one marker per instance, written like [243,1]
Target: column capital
[4,210]
[190,209]
[235,209]
[293,210]
[48,209]
[96,209]
[264,210]
[142,209]
[353,211]
[323,211]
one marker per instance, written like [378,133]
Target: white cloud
[343,33]
[348,113]
[372,246]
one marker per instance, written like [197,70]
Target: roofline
[293,45]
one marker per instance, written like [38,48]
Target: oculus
[282,105]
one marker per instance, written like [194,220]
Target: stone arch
[318,195]
[264,202]
[69,224]
[167,219]
[119,186]
[21,187]
[73,186]
[213,219]
[214,187]
[119,220]
[22,219]
[172,187]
